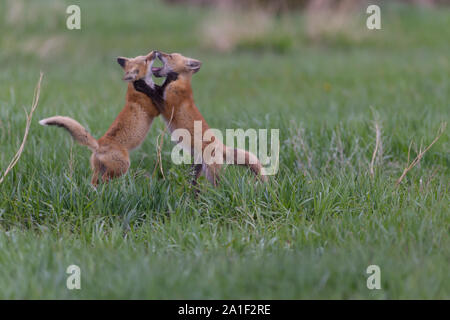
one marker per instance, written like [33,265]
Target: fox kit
[180,112]
[110,153]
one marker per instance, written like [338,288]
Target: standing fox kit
[180,112]
[110,153]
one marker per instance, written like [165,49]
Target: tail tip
[43,122]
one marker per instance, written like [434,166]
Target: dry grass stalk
[15,159]
[160,141]
[421,153]
[377,147]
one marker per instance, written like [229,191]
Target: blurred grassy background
[315,72]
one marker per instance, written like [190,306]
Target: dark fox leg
[196,172]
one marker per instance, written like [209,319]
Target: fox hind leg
[196,172]
[212,173]
[94,180]
[96,168]
[109,164]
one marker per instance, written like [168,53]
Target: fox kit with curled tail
[110,153]
[180,111]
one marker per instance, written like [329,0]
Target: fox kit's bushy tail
[78,132]
[248,159]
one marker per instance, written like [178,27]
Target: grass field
[311,232]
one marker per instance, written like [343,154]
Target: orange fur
[180,111]
[110,157]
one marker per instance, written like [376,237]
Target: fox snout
[130,76]
[152,55]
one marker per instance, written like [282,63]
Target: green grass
[310,232]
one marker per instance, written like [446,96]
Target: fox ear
[193,65]
[122,61]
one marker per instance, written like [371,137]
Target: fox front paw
[141,86]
